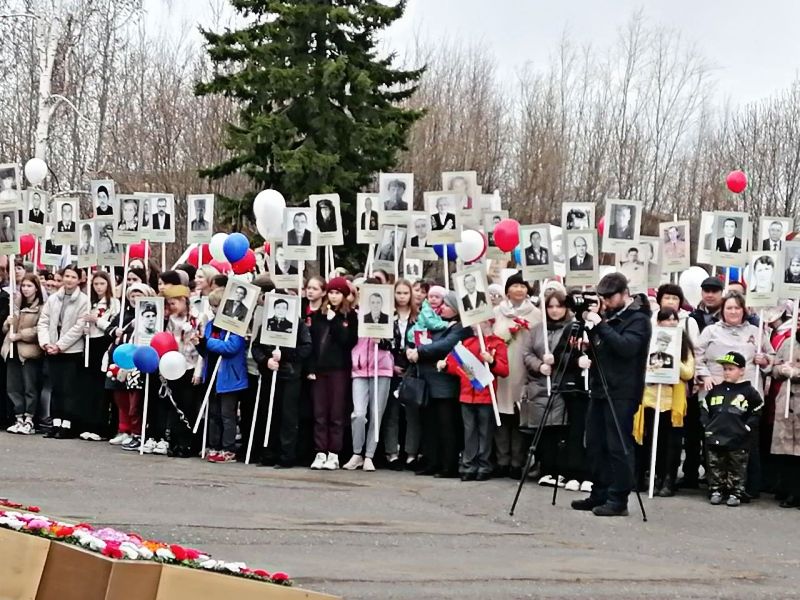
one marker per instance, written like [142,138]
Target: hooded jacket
[621,345]
[231,350]
[24,321]
[729,412]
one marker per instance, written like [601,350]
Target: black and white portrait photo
[633,265]
[397,197]
[674,237]
[622,224]
[471,290]
[730,230]
[412,269]
[161,213]
[200,218]
[9,242]
[791,269]
[237,306]
[537,253]
[663,358]
[375,310]
[393,239]
[279,320]
[300,236]
[490,220]
[51,252]
[109,253]
[442,210]
[705,239]
[764,279]
[464,184]
[104,197]
[285,273]
[650,254]
[578,215]
[149,319]
[127,222]
[368,218]
[10,178]
[66,231]
[35,211]
[327,208]
[581,249]
[772,232]
[87,246]
[418,244]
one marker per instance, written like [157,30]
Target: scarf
[519,315]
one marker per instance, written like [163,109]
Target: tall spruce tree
[320,108]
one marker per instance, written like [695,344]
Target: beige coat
[25,322]
[786,432]
[509,389]
[74,308]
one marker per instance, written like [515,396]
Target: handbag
[412,391]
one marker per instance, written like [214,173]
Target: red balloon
[221,266]
[506,235]
[138,250]
[601,225]
[737,181]
[245,264]
[791,235]
[26,243]
[163,342]
[194,255]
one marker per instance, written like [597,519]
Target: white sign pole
[86,341]
[542,302]
[144,412]
[164,257]
[203,413]
[269,409]
[654,447]
[375,416]
[791,359]
[12,290]
[124,283]
[394,253]
[492,394]
[759,342]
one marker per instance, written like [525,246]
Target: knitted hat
[175,291]
[139,287]
[340,284]
[495,289]
[437,290]
[451,300]
[517,278]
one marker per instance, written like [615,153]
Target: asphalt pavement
[394,535]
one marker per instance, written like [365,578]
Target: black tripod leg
[560,445]
[528,465]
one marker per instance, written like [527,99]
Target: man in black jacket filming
[620,338]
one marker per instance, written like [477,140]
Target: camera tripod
[575,336]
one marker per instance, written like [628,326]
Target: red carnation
[280,577]
[34,509]
[261,573]
[63,532]
[112,550]
[192,554]
[179,552]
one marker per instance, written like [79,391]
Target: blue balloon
[146,359]
[123,356]
[517,255]
[734,273]
[235,247]
[451,251]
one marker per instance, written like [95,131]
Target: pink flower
[38,524]
[280,577]
[261,573]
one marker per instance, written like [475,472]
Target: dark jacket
[729,413]
[399,343]
[621,347]
[441,385]
[293,360]
[332,341]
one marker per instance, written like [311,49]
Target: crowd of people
[723,426]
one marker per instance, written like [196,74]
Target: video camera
[580,302]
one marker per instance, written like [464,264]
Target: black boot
[668,489]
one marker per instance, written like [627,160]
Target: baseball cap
[611,284]
[712,283]
[733,358]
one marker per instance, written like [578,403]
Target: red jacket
[499,368]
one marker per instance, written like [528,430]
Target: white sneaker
[355,462]
[161,448]
[332,462]
[319,461]
[120,439]
[149,446]
[586,486]
[83,435]
[573,485]
[561,481]
[547,480]
[27,428]
[91,437]
[368,464]
[14,428]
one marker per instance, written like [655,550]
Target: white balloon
[216,246]
[172,365]
[270,230]
[471,247]
[269,205]
[690,281]
[35,171]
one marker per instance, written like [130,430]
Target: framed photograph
[279,320]
[66,231]
[537,254]
[104,197]
[418,244]
[238,304]
[490,220]
[109,253]
[664,358]
[442,208]
[580,247]
[51,252]
[396,191]
[650,252]
[675,246]
[10,184]
[705,238]
[633,265]
[473,298]
[764,281]
[285,273]
[200,218]
[464,184]
[413,269]
[791,269]
[299,234]
[376,311]
[729,239]
[772,232]
[158,216]
[578,215]
[393,239]
[35,211]
[367,208]
[327,208]
[623,220]
[149,319]
[87,243]
[9,238]
[127,224]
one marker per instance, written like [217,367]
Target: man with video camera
[619,335]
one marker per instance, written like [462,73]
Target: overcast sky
[754,46]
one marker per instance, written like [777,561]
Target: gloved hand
[584,362]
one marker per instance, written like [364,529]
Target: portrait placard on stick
[442,207]
[284,272]
[299,234]
[109,253]
[675,244]
[765,279]
[730,229]
[9,240]
[376,309]
[490,220]
[623,220]
[471,288]
[650,252]
[367,208]
[51,254]
[393,239]
[127,224]
[104,197]
[238,304]
[772,232]
[279,320]
[580,247]
[705,238]
[419,245]
[464,184]
[35,211]
[578,215]
[664,358]
[87,247]
[200,218]
[149,319]
[160,219]
[327,208]
[396,191]
[66,232]
[791,269]
[631,264]
[537,255]
[412,269]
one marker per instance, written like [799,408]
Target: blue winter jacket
[232,352]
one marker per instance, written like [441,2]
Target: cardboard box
[180,583]
[22,562]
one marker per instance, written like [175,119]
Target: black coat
[441,385]
[621,349]
[332,341]
[729,413]
[293,360]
